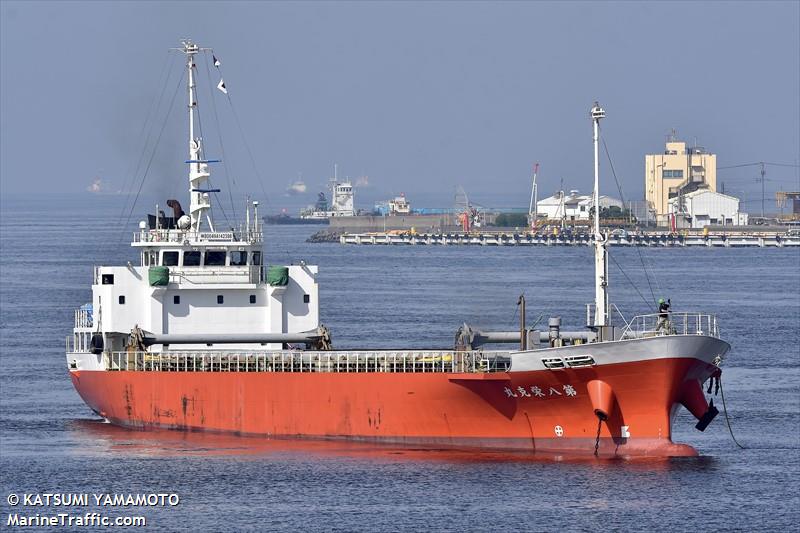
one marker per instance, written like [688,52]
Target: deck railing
[218,274]
[591,310]
[675,324]
[83,318]
[79,342]
[416,361]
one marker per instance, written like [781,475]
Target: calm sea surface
[415,297]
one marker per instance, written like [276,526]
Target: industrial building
[572,206]
[704,207]
[790,199]
[678,171]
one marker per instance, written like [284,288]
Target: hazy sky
[419,96]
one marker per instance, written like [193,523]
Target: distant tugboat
[201,335]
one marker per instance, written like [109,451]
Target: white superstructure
[399,205]
[194,282]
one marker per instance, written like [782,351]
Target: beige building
[676,172]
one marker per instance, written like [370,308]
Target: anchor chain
[597,440]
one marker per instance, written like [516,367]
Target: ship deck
[410,361]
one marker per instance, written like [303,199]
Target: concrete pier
[650,239]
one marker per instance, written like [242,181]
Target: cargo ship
[202,335]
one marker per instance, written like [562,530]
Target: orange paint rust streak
[395,405]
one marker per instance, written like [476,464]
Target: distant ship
[399,205]
[201,335]
[341,205]
[284,218]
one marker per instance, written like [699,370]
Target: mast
[198,168]
[533,210]
[601,315]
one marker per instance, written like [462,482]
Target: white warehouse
[704,207]
[572,206]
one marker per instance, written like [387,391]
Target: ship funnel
[694,401]
[602,396]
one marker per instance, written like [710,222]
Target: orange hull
[537,411]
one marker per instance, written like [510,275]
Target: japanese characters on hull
[537,392]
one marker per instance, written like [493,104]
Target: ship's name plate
[217,236]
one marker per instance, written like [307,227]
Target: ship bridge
[196,282]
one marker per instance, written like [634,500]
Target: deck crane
[532,209]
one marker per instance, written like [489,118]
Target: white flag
[221,86]
[216,61]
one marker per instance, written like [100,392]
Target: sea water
[402,296]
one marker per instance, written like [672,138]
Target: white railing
[591,308]
[221,274]
[83,318]
[79,342]
[674,324]
[417,361]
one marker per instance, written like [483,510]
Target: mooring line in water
[725,410]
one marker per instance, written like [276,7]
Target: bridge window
[107,279]
[176,299]
[215,258]
[238,258]
[191,258]
[256,258]
[220,299]
[252,298]
[121,299]
[169,259]
[306,298]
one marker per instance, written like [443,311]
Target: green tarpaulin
[278,275]
[158,276]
